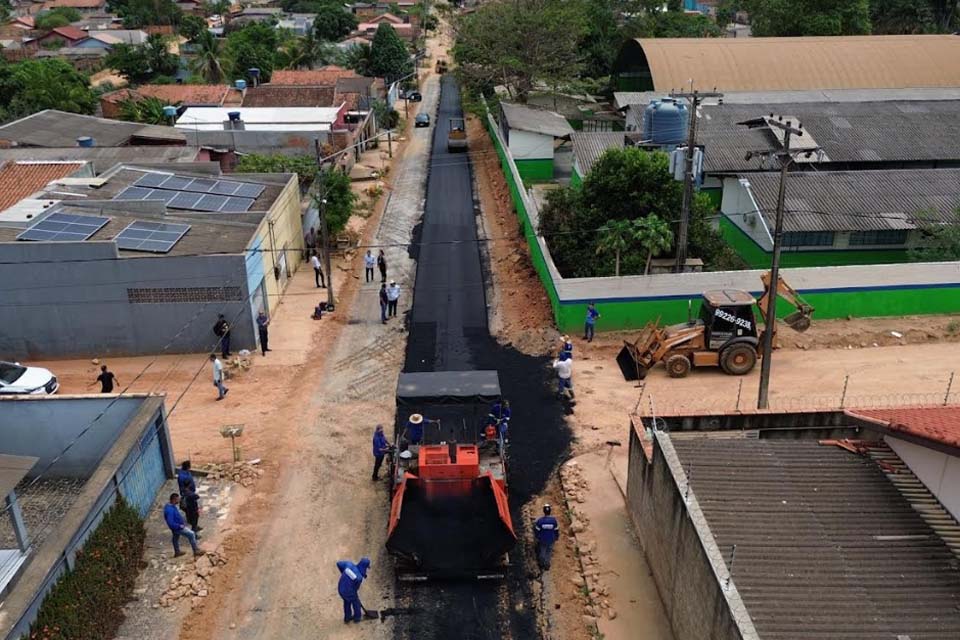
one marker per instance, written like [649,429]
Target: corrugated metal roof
[858,200]
[768,64]
[625,98]
[852,132]
[589,146]
[52,128]
[548,123]
[827,548]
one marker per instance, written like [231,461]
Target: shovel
[370,614]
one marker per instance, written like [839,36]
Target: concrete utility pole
[694,98]
[325,239]
[785,156]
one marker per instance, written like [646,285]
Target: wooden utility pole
[325,239]
[785,156]
[694,98]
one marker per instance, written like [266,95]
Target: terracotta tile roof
[19,180]
[386,17]
[75,4]
[324,76]
[936,424]
[205,95]
[302,96]
[70,33]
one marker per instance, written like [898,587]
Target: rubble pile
[595,594]
[245,473]
[193,582]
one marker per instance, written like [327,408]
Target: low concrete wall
[687,566]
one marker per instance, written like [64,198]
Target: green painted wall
[757,258]
[534,170]
[836,304]
[529,233]
[575,180]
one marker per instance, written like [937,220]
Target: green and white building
[532,136]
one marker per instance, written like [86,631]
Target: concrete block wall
[683,569]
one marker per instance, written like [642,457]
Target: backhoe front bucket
[629,366]
[634,358]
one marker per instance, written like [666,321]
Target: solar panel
[153,237]
[140,193]
[200,185]
[237,205]
[64,227]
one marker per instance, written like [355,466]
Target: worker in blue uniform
[351,577]
[414,429]
[185,479]
[566,346]
[547,531]
[500,417]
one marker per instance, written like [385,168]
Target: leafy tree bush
[358,58]
[192,26]
[626,185]
[140,63]
[46,83]
[304,166]
[808,17]
[209,60]
[139,13]
[88,601]
[333,22]
[254,46]
[56,17]
[939,242]
[389,56]
[147,110]
[334,187]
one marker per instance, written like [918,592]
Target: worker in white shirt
[564,367]
[317,272]
[393,295]
[369,262]
[218,376]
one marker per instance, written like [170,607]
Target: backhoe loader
[725,334]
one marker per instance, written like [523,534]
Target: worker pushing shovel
[351,577]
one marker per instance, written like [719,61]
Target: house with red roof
[68,36]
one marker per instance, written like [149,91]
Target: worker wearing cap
[500,416]
[564,367]
[351,577]
[414,430]
[566,346]
[547,531]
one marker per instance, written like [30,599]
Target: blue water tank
[240,84]
[85,141]
[170,111]
[665,121]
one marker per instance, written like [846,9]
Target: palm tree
[654,235]
[616,236]
[305,51]
[147,110]
[209,61]
[357,57]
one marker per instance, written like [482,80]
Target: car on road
[422,120]
[18,379]
[412,96]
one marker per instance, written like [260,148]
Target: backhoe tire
[738,359]
[678,366]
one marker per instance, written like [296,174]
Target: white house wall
[939,472]
[741,209]
[530,146]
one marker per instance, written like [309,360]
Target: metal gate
[146,473]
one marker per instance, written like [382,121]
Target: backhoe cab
[725,334]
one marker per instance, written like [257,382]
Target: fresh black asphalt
[449,331]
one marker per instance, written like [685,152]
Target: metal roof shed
[531,136]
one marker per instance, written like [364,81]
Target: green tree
[139,13]
[808,17]
[902,16]
[216,8]
[4,11]
[654,237]
[57,17]
[147,110]
[358,57]
[334,187]
[520,43]
[254,46]
[141,63]
[616,236]
[389,56]
[602,38]
[208,61]
[333,22]
[304,166]
[939,242]
[192,26]
[47,83]
[305,52]
[671,24]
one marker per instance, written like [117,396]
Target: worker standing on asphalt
[591,320]
[547,531]
[393,295]
[351,577]
[382,265]
[414,430]
[380,449]
[564,367]
[384,301]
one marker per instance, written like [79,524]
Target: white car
[15,378]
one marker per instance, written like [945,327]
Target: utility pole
[325,239]
[694,98]
[785,156]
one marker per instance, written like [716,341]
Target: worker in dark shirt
[547,531]
[380,448]
[185,479]
[106,380]
[222,330]
[262,323]
[190,503]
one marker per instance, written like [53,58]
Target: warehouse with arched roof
[785,64]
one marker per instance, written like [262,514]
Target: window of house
[808,239]
[882,236]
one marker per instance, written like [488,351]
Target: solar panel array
[189,200]
[155,237]
[64,227]
[200,185]
[194,194]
